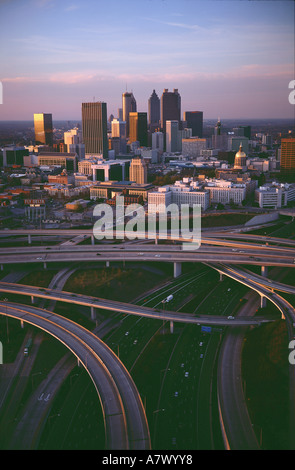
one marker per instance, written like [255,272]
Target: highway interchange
[220,252]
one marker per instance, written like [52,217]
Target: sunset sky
[229,59]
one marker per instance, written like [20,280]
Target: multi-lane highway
[124,416]
[233,252]
[220,251]
[236,423]
[125,308]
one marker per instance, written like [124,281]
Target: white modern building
[225,191]
[187,192]
[275,195]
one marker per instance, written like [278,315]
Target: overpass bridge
[123,412]
[126,308]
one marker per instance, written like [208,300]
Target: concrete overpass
[126,308]
[236,425]
[124,416]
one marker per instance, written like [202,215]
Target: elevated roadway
[270,256]
[126,308]
[124,416]
[236,424]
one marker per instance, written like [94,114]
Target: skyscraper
[154,110]
[173,137]
[129,106]
[288,154]
[194,121]
[94,128]
[138,171]
[43,129]
[138,128]
[119,132]
[170,107]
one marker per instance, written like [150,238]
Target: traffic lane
[114,414]
[252,258]
[126,308]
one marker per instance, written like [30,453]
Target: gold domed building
[240,160]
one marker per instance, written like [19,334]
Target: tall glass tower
[43,129]
[129,106]
[154,109]
[94,128]
[170,107]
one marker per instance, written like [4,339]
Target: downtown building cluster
[106,157]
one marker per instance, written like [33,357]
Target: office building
[43,129]
[73,136]
[119,132]
[225,192]
[243,131]
[14,156]
[138,128]
[173,137]
[158,141]
[94,128]
[107,189]
[274,195]
[194,121]
[288,154]
[154,110]
[128,106]
[111,170]
[170,107]
[235,142]
[138,171]
[193,146]
[63,160]
[185,192]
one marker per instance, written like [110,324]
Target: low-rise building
[185,192]
[275,195]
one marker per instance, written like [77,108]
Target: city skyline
[227,59]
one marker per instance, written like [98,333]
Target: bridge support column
[92,240]
[262,301]
[21,323]
[171,327]
[220,276]
[45,265]
[29,239]
[177,269]
[264,271]
[2,267]
[93,313]
[156,241]
[32,299]
[107,264]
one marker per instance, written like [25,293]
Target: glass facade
[43,129]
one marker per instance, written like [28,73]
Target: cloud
[255,71]
[72,7]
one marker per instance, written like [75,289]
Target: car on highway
[186,374]
[39,257]
[230,317]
